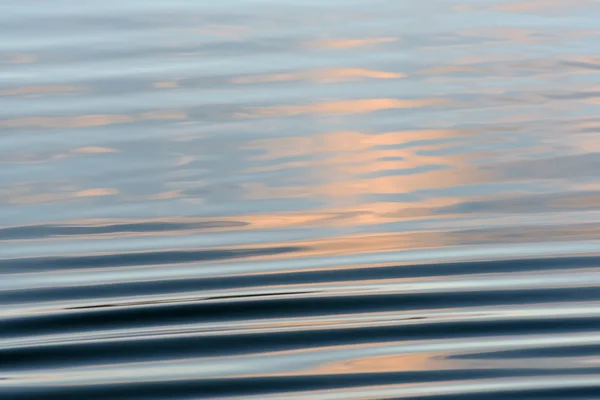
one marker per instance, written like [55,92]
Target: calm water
[299,199]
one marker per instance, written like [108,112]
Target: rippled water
[299,199]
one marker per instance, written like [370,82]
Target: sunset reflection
[349,43]
[346,164]
[91,120]
[344,107]
[323,76]
[40,90]
[300,200]
[385,363]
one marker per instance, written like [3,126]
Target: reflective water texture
[299,199]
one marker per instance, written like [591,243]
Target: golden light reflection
[323,76]
[172,194]
[337,142]
[334,184]
[348,43]
[97,192]
[165,85]
[363,244]
[21,58]
[39,90]
[23,198]
[338,216]
[343,107]
[91,120]
[45,157]
[348,165]
[383,363]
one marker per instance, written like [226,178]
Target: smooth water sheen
[308,200]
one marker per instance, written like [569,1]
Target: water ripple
[341,200]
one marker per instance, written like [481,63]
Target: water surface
[299,199]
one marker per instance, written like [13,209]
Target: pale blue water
[299,200]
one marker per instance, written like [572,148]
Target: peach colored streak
[97,192]
[36,90]
[165,85]
[348,43]
[324,75]
[91,120]
[344,107]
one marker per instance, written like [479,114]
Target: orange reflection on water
[45,157]
[20,58]
[62,196]
[324,75]
[348,165]
[165,84]
[38,90]
[343,107]
[91,120]
[338,142]
[96,192]
[383,363]
[348,43]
